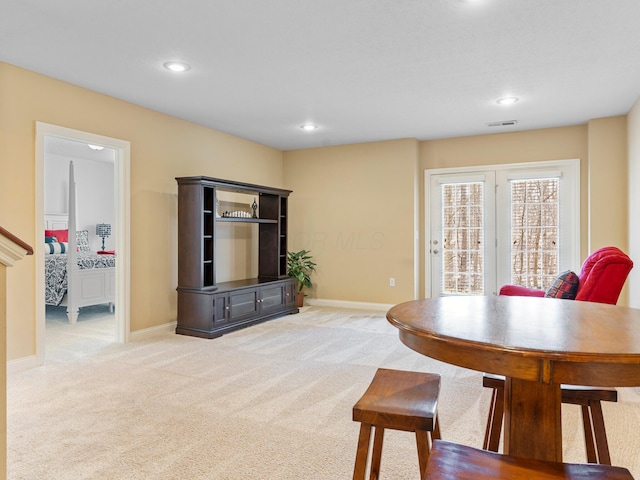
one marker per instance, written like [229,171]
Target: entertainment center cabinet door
[243,304]
[195,313]
[220,309]
[271,298]
[290,293]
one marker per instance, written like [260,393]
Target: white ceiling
[76,150]
[363,70]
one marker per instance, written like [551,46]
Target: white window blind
[463,238]
[535,236]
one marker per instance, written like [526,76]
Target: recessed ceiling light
[308,127]
[177,66]
[95,147]
[507,100]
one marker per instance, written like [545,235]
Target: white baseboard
[21,364]
[146,333]
[321,302]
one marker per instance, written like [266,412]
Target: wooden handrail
[16,240]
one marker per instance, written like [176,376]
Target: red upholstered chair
[601,279]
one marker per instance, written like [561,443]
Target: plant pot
[299,299]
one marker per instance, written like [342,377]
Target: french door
[514,224]
[462,241]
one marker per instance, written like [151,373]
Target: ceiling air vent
[505,123]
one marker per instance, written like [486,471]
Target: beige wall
[162,148]
[633,151]
[353,206]
[607,211]
[608,189]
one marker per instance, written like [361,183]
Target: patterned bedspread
[55,272]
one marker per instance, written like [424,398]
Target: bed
[75,277]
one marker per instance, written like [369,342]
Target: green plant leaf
[300,266]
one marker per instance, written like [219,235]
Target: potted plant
[300,266]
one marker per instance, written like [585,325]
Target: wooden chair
[450,461]
[399,400]
[589,399]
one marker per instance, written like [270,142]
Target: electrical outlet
[392,282]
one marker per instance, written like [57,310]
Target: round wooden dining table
[537,344]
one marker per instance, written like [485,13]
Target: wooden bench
[450,461]
[399,400]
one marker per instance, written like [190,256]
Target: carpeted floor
[96,329]
[269,402]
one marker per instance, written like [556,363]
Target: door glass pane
[463,238]
[535,240]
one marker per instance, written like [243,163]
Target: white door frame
[572,166]
[122,222]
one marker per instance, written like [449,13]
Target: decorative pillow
[564,286]
[82,240]
[56,247]
[50,239]
[61,235]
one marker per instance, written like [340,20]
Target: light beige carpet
[272,401]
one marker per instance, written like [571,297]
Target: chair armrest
[518,291]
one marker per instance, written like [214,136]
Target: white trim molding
[122,194]
[151,332]
[319,302]
[21,364]
[10,251]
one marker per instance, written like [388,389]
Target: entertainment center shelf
[245,220]
[206,308]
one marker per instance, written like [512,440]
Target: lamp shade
[103,229]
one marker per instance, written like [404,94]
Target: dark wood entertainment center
[208,309]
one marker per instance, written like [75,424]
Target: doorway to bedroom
[98,289]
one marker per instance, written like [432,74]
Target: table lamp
[103,230]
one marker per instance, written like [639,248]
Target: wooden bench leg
[588,435]
[360,469]
[422,441]
[494,421]
[599,433]
[377,453]
[435,435]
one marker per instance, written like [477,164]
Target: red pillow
[61,235]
